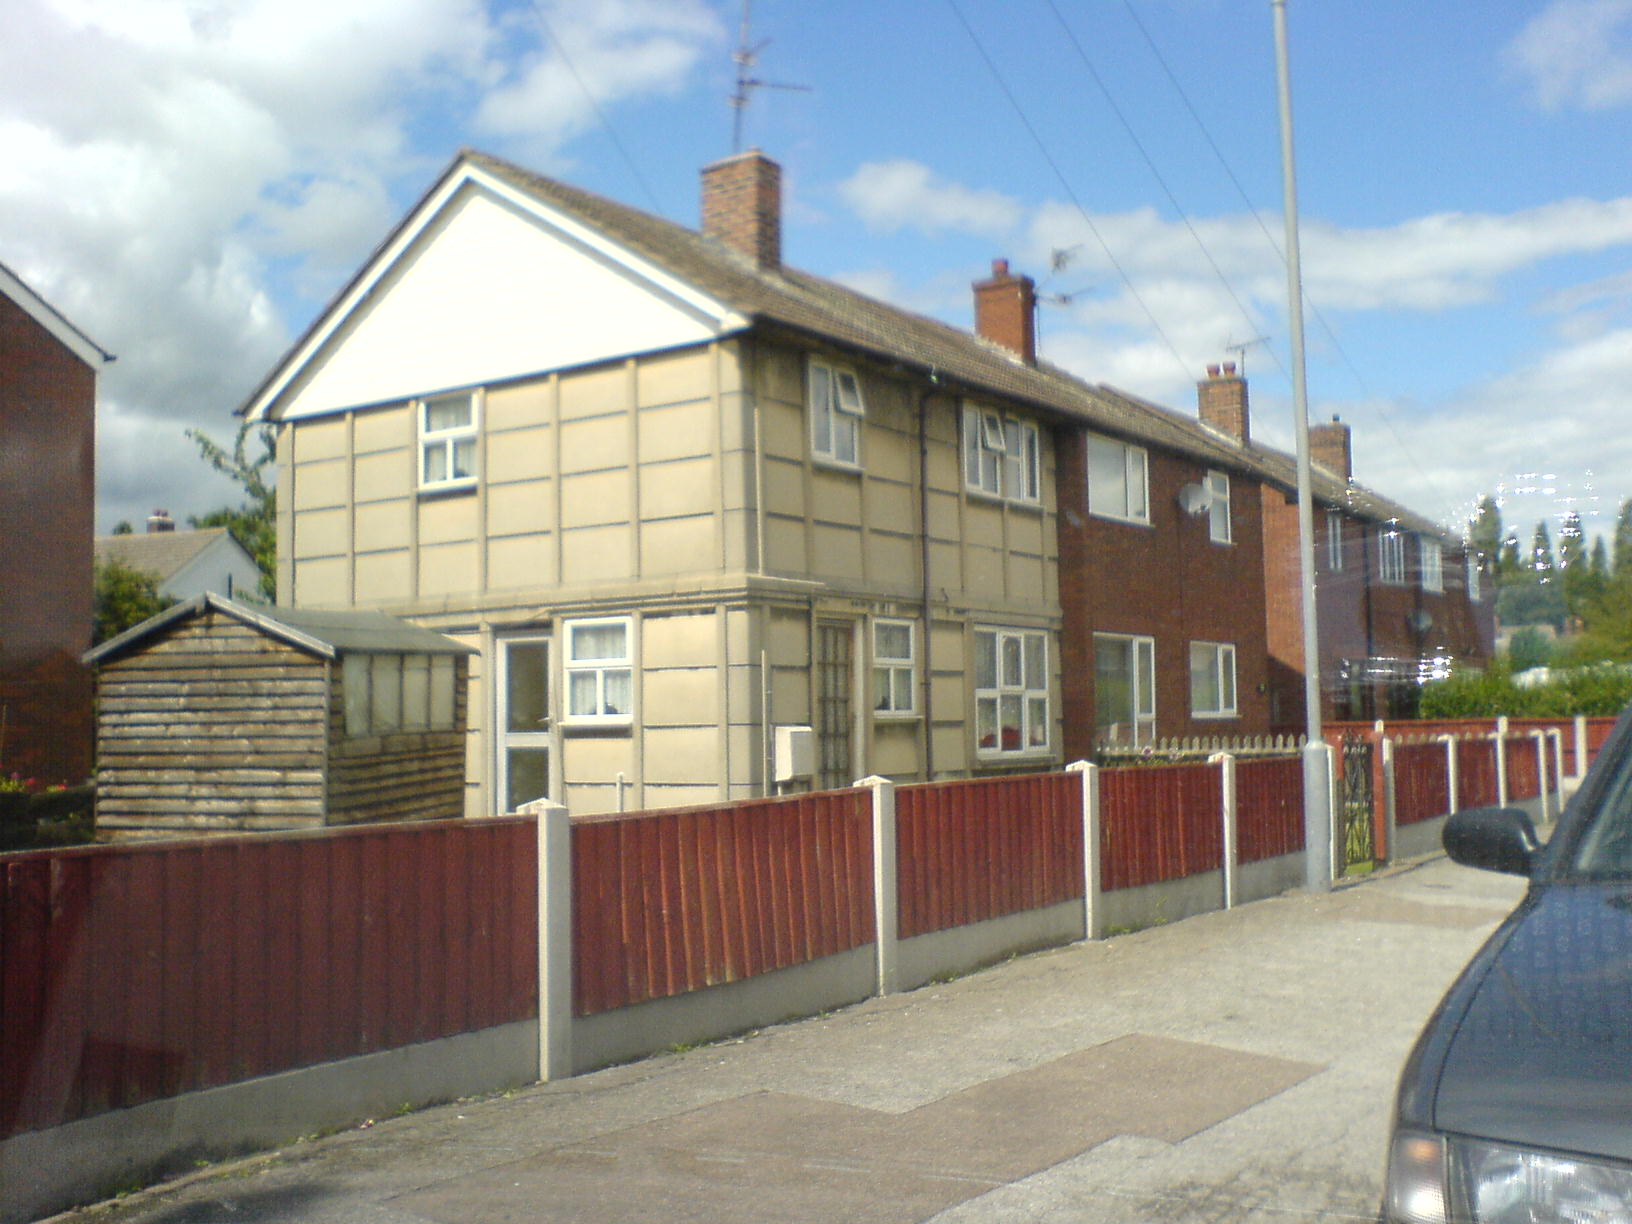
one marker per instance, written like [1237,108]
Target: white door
[525,735]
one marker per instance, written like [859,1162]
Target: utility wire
[595,105]
[1110,100]
[1325,326]
[1065,184]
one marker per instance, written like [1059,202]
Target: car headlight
[1436,1179]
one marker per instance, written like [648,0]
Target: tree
[1485,531]
[1541,553]
[1529,648]
[123,527]
[254,522]
[124,597]
[1573,572]
[1622,557]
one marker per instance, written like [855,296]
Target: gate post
[1093,913]
[1317,816]
[886,884]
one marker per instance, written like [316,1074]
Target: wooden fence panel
[132,973]
[1523,772]
[983,848]
[1268,808]
[1421,782]
[1159,823]
[673,901]
[1475,773]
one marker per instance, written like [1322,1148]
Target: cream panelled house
[677,496]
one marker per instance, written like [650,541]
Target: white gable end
[490,289]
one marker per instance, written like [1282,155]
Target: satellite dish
[1195,499]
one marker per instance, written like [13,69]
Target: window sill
[895,716]
[997,499]
[1214,716]
[830,464]
[1116,518]
[587,729]
[448,488]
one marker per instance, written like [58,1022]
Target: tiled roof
[160,553]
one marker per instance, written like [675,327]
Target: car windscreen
[1604,847]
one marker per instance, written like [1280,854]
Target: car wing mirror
[1493,839]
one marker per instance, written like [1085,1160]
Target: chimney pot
[1212,371]
[159,521]
[1229,368]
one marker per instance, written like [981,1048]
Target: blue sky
[190,180]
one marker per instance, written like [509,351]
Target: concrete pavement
[1237,1066]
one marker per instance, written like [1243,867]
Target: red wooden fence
[1421,782]
[983,848]
[129,973]
[1268,808]
[666,902]
[1475,772]
[1159,823]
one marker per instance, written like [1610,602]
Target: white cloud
[897,195]
[1577,53]
[179,174]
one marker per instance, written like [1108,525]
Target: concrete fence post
[1385,853]
[1451,779]
[1093,913]
[1580,747]
[1227,813]
[1501,763]
[554,938]
[1319,803]
[1557,737]
[886,885]
[1540,738]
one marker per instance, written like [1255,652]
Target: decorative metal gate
[1359,843]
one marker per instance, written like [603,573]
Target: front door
[835,688]
[523,721]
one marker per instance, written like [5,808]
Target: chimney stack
[742,206]
[158,521]
[1330,446]
[1006,311]
[1221,401]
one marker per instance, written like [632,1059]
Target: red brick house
[47,503]
[1398,599]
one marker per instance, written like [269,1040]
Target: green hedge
[1602,689]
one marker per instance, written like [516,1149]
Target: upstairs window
[1334,540]
[1011,692]
[1001,455]
[447,442]
[1218,507]
[1212,680]
[1118,480]
[836,414]
[1430,564]
[894,673]
[600,672]
[1391,557]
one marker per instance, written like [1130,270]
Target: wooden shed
[215,716]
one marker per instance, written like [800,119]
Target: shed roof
[327,635]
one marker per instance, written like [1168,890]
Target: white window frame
[1473,577]
[603,669]
[1002,456]
[1027,691]
[1120,503]
[446,442]
[836,409]
[1431,564]
[1141,652]
[893,673]
[1391,556]
[396,693]
[1219,529]
[540,738]
[1219,660]
[1334,540]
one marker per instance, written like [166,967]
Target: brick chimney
[1221,400]
[742,206]
[160,520]
[1006,311]
[1329,446]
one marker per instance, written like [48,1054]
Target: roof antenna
[1240,351]
[746,58]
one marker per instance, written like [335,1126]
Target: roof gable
[47,316]
[483,283]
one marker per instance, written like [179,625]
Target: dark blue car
[1515,1107]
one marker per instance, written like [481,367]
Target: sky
[191,181]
